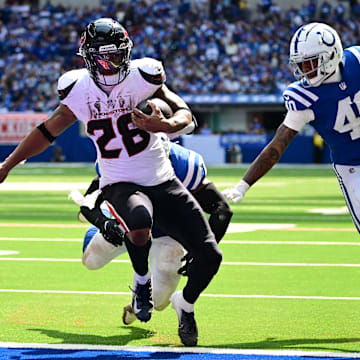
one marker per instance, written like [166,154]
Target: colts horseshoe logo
[326,39]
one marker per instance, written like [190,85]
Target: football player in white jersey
[102,243]
[327,96]
[137,179]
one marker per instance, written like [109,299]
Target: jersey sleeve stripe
[199,177]
[308,93]
[355,52]
[196,173]
[297,97]
[190,173]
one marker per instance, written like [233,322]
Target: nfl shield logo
[342,86]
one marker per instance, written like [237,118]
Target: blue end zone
[49,353]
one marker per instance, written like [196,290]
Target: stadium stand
[207,46]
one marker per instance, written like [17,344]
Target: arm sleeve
[296,120]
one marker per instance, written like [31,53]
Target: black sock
[138,256]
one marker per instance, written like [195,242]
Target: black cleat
[187,330]
[142,303]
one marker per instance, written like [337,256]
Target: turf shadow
[293,344]
[78,338]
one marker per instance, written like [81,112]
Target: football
[164,107]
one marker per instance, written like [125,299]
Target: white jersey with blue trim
[333,109]
[188,165]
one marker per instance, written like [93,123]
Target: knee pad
[99,252]
[224,211]
[165,260]
[139,237]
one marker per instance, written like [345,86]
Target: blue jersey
[188,165]
[336,107]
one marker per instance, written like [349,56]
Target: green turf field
[293,284]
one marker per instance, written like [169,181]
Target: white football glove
[237,193]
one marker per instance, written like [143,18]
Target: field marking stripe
[162,349]
[4,238]
[254,296]
[223,263]
[288,242]
[225,242]
[85,226]
[61,226]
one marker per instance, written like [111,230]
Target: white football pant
[164,260]
[349,181]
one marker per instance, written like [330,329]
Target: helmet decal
[297,39]
[323,36]
[83,38]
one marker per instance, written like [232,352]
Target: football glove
[112,232]
[184,270]
[237,193]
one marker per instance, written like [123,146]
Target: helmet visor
[110,63]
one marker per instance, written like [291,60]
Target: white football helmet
[319,46]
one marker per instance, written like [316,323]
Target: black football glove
[184,270]
[112,232]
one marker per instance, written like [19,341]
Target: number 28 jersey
[124,152]
[333,109]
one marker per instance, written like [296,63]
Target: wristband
[242,186]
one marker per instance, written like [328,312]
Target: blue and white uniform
[188,165]
[333,109]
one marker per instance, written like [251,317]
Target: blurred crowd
[207,46]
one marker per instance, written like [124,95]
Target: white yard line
[5,238]
[200,350]
[223,263]
[251,242]
[233,228]
[43,186]
[239,296]
[223,242]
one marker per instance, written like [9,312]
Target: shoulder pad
[67,81]
[152,71]
[296,97]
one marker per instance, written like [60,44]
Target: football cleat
[128,316]
[187,330]
[142,303]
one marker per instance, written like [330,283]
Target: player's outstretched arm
[269,156]
[38,139]
[156,122]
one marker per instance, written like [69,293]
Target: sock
[185,305]
[141,279]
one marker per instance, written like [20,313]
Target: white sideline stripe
[43,186]
[224,242]
[288,242]
[236,228]
[223,263]
[120,293]
[4,238]
[182,350]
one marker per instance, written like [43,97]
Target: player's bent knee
[139,237]
[224,210]
[211,257]
[99,252]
